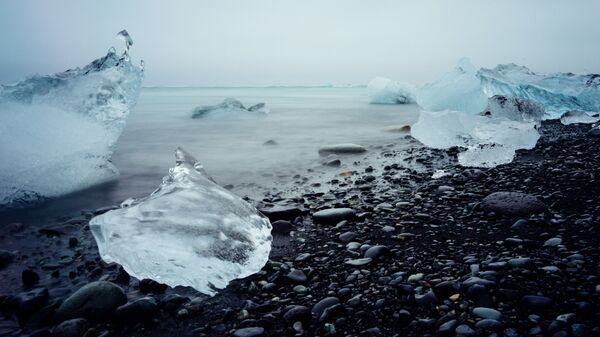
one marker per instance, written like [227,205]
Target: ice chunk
[229,106]
[573,117]
[189,232]
[385,91]
[516,109]
[488,141]
[57,131]
[124,35]
[458,90]
[559,92]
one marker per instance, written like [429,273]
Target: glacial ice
[458,90]
[489,141]
[516,109]
[385,91]
[189,232]
[57,131]
[559,92]
[229,106]
[574,117]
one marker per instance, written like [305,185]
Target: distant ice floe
[57,131]
[189,232]
[229,106]
[385,91]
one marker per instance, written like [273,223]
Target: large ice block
[189,232]
[57,131]
[458,90]
[488,141]
[558,92]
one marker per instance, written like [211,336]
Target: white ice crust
[189,232]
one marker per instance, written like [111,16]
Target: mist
[254,43]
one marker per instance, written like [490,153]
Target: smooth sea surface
[232,146]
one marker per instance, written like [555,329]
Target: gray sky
[299,42]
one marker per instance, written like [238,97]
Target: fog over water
[237,42]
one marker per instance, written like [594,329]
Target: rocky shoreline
[401,254]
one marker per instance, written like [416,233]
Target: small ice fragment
[124,35]
[574,117]
[230,107]
[385,91]
[189,232]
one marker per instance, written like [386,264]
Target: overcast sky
[299,42]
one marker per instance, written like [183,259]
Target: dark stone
[535,302]
[445,289]
[6,257]
[29,278]
[72,328]
[24,305]
[281,227]
[319,308]
[333,215]
[480,296]
[347,237]
[281,212]
[151,286]
[249,332]
[95,301]
[140,310]
[512,204]
[297,313]
[376,252]
[296,276]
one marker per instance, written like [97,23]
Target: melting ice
[229,106]
[189,232]
[57,131]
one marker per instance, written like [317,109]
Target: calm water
[232,147]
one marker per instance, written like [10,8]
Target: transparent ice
[229,107]
[488,141]
[189,232]
[458,90]
[385,91]
[57,131]
[559,92]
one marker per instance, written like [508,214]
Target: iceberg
[574,117]
[559,92]
[229,106]
[385,91]
[488,141]
[516,109]
[458,90]
[189,232]
[57,132]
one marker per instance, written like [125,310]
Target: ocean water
[231,147]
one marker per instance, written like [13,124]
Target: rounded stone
[333,215]
[341,149]
[512,204]
[94,301]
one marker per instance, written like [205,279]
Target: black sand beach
[410,256]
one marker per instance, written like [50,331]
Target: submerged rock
[342,149]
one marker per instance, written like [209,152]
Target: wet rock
[29,278]
[376,252]
[319,309]
[296,276]
[512,204]
[6,258]
[483,312]
[95,301]
[347,237]
[535,302]
[22,306]
[281,212]
[140,310]
[333,215]
[281,227]
[249,332]
[480,296]
[333,163]
[297,313]
[489,324]
[76,327]
[553,242]
[151,286]
[359,262]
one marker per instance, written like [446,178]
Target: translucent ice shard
[574,117]
[189,232]
[559,92]
[385,91]
[231,107]
[124,35]
[458,90]
[57,131]
[488,141]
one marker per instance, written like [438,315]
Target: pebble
[94,301]
[333,215]
[249,332]
[482,312]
